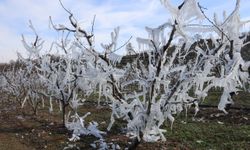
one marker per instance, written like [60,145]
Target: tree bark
[63,112]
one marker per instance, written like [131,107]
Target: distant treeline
[245,53]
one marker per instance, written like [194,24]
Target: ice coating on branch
[130,50]
[180,74]
[109,49]
[188,12]
[114,58]
[157,34]
[182,60]
[232,24]
[76,124]
[33,48]
[3,81]
[76,102]
[144,44]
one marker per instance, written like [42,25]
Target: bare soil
[21,130]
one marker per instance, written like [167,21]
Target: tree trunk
[135,142]
[63,112]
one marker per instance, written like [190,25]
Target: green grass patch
[210,135]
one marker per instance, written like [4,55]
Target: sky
[131,15]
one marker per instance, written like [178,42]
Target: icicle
[99,96]
[142,43]
[224,100]
[171,119]
[43,105]
[216,20]
[196,108]
[51,105]
[224,15]
[24,101]
[60,106]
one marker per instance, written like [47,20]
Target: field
[210,129]
[153,83]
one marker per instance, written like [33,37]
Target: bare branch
[222,32]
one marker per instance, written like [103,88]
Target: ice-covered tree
[181,60]
[189,52]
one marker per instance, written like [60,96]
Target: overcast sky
[131,15]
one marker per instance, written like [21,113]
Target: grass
[214,133]
[211,135]
[242,99]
